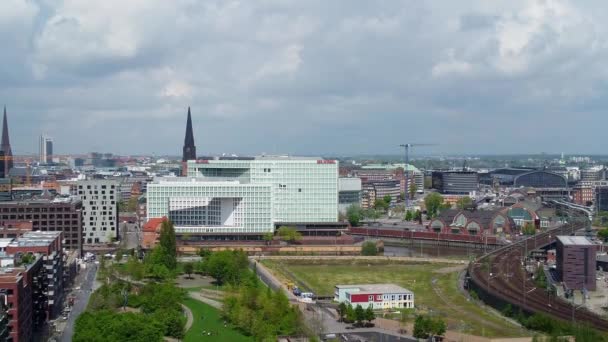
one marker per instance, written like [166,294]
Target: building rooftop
[261,157]
[409,167]
[5,242]
[153,223]
[375,288]
[36,239]
[574,241]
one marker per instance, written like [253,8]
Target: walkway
[189,316]
[200,298]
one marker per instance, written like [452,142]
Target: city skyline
[477,78]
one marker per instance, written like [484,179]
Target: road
[86,279]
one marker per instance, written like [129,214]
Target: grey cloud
[477,21]
[305,77]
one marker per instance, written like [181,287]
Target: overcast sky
[306,77]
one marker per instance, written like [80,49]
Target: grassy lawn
[211,321]
[441,298]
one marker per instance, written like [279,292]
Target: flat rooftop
[36,239]
[574,241]
[5,242]
[262,157]
[375,288]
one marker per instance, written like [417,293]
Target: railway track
[501,275]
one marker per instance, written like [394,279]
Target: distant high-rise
[46,149]
[189,152]
[5,146]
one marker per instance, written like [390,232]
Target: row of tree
[356,315]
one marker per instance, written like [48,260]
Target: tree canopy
[289,234]
[168,244]
[354,215]
[434,204]
[227,266]
[464,203]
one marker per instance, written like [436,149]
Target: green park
[435,286]
[157,298]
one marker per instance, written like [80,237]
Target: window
[370,298]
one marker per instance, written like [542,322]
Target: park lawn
[459,313]
[211,321]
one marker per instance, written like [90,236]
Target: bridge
[499,278]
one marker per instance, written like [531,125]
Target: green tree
[227,266]
[421,328]
[408,216]
[188,269]
[437,327]
[354,215]
[528,229]
[359,314]
[372,214]
[433,203]
[350,314]
[387,199]
[289,234]
[464,203]
[342,311]
[268,237]
[418,216]
[369,314]
[380,204]
[603,234]
[167,244]
[413,188]
[369,249]
[110,326]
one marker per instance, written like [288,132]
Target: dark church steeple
[5,146]
[189,147]
[189,152]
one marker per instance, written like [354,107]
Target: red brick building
[19,295]
[583,194]
[151,232]
[576,262]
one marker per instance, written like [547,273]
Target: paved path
[189,316]
[200,298]
[81,301]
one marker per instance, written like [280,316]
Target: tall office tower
[189,152]
[5,146]
[46,149]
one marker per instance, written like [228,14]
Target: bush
[369,248]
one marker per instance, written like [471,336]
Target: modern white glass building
[247,195]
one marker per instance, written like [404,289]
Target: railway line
[500,278]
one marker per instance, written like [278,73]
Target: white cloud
[260,68]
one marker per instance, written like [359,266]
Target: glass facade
[197,206]
[303,189]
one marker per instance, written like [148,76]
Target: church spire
[189,152]
[5,146]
